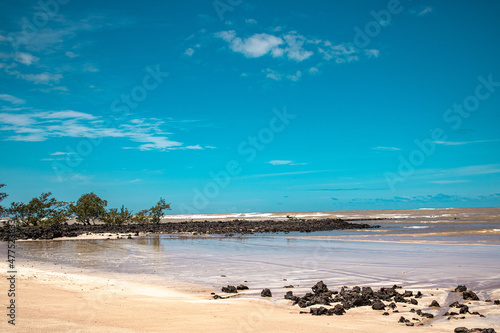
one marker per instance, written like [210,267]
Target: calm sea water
[421,248]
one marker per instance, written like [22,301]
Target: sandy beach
[59,302]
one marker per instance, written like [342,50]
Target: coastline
[58,302]
[161,282]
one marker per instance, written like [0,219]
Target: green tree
[3,195]
[18,213]
[89,208]
[43,210]
[113,216]
[141,216]
[156,212]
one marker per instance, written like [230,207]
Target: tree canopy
[157,211]
[89,208]
[43,210]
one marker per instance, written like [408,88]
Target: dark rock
[408,293]
[392,305]
[378,305]
[385,314]
[427,315]
[470,295]
[289,295]
[418,295]
[290,286]
[319,288]
[496,302]
[434,304]
[229,289]
[464,309]
[241,287]
[414,301]
[454,305]
[474,330]
[266,293]
[460,289]
[319,311]
[338,310]
[408,323]
[401,319]
[367,292]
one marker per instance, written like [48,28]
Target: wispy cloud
[25,58]
[42,125]
[444,182]
[284,162]
[473,170]
[11,99]
[425,11]
[461,143]
[386,148]
[59,153]
[265,175]
[422,11]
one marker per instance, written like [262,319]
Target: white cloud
[250,21]
[228,36]
[90,68]
[294,77]
[387,148]
[284,162]
[270,74]
[43,78]
[71,55]
[256,45]
[444,182]
[189,52]
[313,70]
[372,53]
[25,58]
[340,53]
[11,99]
[57,153]
[65,115]
[279,162]
[294,50]
[461,143]
[5,39]
[40,126]
[473,170]
[425,11]
[262,44]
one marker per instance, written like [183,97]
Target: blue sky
[231,106]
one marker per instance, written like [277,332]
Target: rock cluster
[205,227]
[350,298]
[474,330]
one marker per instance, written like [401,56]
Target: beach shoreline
[58,302]
[161,282]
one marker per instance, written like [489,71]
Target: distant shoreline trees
[45,210]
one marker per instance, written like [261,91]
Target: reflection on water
[271,261]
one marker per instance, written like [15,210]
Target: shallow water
[457,251]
